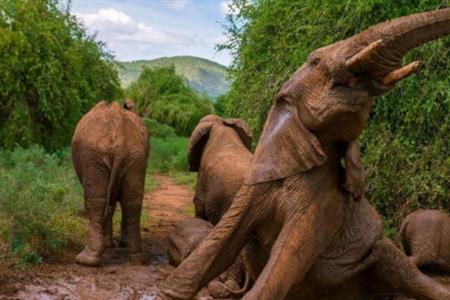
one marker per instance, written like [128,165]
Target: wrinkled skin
[186,236]
[313,234]
[425,235]
[219,150]
[109,151]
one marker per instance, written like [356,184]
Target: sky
[148,29]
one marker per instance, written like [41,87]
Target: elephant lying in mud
[110,148]
[185,238]
[425,235]
[302,215]
[219,150]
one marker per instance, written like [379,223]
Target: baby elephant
[109,151]
[219,150]
[425,235]
[185,238]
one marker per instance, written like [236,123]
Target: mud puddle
[167,205]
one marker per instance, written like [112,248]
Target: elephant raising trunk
[384,46]
[300,213]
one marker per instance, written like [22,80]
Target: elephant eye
[315,61]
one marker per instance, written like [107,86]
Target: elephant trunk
[381,48]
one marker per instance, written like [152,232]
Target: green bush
[406,145]
[40,204]
[52,72]
[168,154]
[162,95]
[156,129]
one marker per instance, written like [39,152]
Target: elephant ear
[197,142]
[286,147]
[244,132]
[354,171]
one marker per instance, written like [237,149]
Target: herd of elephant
[289,221]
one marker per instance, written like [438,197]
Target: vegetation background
[204,76]
[52,72]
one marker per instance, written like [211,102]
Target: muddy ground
[167,205]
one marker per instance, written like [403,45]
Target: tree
[162,95]
[52,72]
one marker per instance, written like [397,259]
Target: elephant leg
[200,210]
[294,252]
[95,182]
[108,242]
[218,250]
[395,269]
[93,251]
[123,227]
[132,192]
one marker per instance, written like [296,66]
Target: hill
[203,75]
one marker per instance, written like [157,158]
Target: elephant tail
[401,231]
[112,179]
[240,292]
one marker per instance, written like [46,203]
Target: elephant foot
[137,258]
[89,258]
[218,289]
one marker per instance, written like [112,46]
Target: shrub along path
[165,206]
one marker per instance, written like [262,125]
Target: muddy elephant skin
[110,148]
[425,235]
[219,150]
[301,208]
[186,236]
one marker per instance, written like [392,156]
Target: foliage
[40,201]
[169,156]
[406,145]
[156,129]
[204,76]
[162,95]
[52,73]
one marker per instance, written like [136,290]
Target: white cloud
[176,4]
[105,15]
[115,26]
[227,8]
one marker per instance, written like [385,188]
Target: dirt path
[167,205]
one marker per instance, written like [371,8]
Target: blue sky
[147,29]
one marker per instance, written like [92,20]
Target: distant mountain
[203,75]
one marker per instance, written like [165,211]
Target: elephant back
[200,136]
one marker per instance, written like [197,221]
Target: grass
[40,205]
[169,156]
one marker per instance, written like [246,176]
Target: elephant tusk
[356,60]
[401,73]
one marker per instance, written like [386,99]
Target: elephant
[301,211]
[110,149]
[219,150]
[425,236]
[185,238]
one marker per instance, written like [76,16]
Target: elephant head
[200,136]
[129,105]
[329,97]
